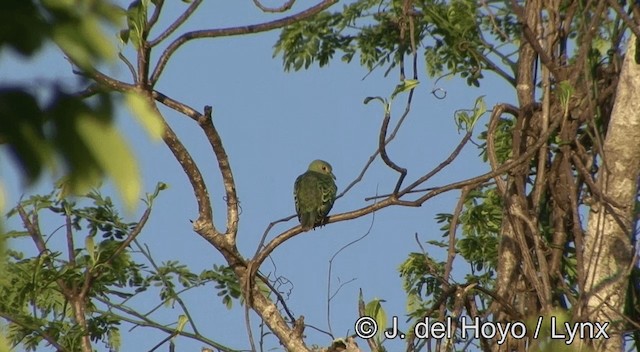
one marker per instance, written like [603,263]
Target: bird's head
[322,167]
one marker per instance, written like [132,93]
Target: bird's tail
[306,220]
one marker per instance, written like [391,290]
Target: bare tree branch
[158,5]
[183,157]
[206,123]
[175,25]
[222,32]
[383,149]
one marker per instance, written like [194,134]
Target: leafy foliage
[226,283]
[68,127]
[380,33]
[502,140]
[67,293]
[38,292]
[421,277]
[480,223]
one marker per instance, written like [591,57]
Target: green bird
[314,193]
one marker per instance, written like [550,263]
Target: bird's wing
[296,192]
[328,190]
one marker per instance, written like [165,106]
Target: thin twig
[451,252]
[383,150]
[410,189]
[147,253]
[129,65]
[627,20]
[286,6]
[175,25]
[69,233]
[146,322]
[247,323]
[373,343]
[266,231]
[333,257]
[281,238]
[159,4]
[132,236]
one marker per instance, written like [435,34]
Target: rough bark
[608,250]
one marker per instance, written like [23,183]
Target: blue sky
[273,124]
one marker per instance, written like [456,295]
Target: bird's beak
[334,176]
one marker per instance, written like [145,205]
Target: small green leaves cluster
[478,233]
[136,23]
[421,279]
[403,86]
[449,33]
[502,139]
[466,119]
[565,92]
[366,27]
[478,242]
[35,289]
[227,283]
[167,276]
[303,43]
[458,47]
[375,310]
[480,223]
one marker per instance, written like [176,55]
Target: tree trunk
[608,249]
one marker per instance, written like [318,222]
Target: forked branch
[225,32]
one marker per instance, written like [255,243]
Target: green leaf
[466,122]
[112,154]
[114,340]
[413,302]
[479,109]
[160,186]
[21,127]
[374,310]
[23,28]
[84,42]
[145,114]
[91,247]
[565,92]
[182,321]
[137,21]
[124,36]
[404,86]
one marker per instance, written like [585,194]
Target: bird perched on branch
[314,193]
